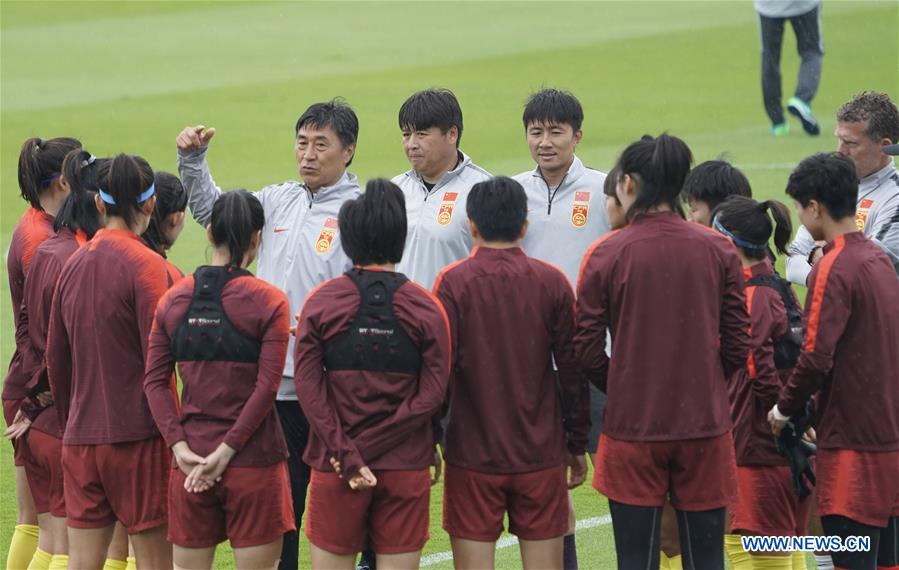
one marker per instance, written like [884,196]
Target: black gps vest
[206,333]
[788,347]
[375,340]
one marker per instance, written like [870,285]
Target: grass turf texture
[129,76]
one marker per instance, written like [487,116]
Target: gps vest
[375,340]
[788,347]
[206,333]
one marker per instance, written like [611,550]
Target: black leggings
[637,531]
[884,543]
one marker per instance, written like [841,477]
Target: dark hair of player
[40,163]
[658,167]
[610,185]
[748,224]
[499,208]
[125,180]
[373,226]
[79,211]
[236,216]
[828,178]
[171,198]
[714,181]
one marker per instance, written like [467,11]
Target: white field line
[508,541]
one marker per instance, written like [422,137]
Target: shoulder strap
[780,285]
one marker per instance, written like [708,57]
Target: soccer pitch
[128,76]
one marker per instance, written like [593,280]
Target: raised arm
[201,189]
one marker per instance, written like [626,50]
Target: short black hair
[373,226]
[336,114]
[828,178]
[714,181]
[553,106]
[435,107]
[498,207]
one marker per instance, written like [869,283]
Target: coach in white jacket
[566,213]
[300,245]
[865,124]
[437,186]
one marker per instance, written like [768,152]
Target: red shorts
[767,504]
[859,485]
[250,506]
[10,409]
[392,517]
[118,481]
[44,469]
[474,503]
[697,474]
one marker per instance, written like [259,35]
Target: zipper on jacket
[551,194]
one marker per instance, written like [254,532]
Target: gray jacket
[563,224]
[438,226]
[877,215]
[300,241]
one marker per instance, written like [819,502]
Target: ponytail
[658,167]
[236,216]
[79,212]
[40,163]
[747,224]
[125,183]
[783,225]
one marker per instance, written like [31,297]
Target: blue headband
[146,195]
[716,223]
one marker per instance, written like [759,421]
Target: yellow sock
[22,546]
[739,558]
[676,563]
[798,559]
[132,563]
[59,562]
[664,561]
[112,564]
[772,562]
[40,561]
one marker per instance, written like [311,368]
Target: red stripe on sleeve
[443,271]
[750,361]
[814,317]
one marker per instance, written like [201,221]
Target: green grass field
[128,76]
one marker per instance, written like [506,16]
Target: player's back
[506,310]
